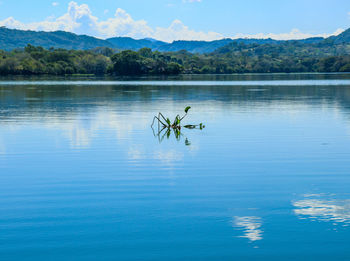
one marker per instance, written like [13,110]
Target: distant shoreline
[231,59]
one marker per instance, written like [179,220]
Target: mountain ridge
[13,38]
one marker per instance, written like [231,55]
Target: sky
[170,20]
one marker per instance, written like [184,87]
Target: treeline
[37,61]
[100,61]
[233,58]
[145,62]
[291,56]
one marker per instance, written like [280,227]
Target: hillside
[128,43]
[194,46]
[11,39]
[344,37]
[301,49]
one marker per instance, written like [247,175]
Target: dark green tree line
[234,58]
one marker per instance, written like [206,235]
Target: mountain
[311,40]
[194,46]
[12,38]
[127,43]
[208,46]
[342,38]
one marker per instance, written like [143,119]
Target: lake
[84,177]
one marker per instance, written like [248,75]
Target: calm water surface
[82,176]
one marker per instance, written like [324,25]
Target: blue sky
[180,19]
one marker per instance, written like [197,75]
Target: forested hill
[11,39]
[128,43]
[343,38]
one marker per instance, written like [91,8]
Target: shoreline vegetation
[289,57]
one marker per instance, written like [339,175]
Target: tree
[127,63]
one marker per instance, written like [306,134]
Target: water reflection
[81,131]
[82,166]
[2,147]
[70,98]
[251,227]
[169,133]
[164,157]
[169,157]
[190,77]
[315,207]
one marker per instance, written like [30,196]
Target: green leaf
[187,109]
[177,134]
[176,121]
[168,121]
[190,126]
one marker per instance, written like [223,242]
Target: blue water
[82,176]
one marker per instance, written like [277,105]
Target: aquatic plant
[166,126]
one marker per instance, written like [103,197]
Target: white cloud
[122,24]
[178,31]
[55,4]
[79,19]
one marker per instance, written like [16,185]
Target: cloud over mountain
[80,19]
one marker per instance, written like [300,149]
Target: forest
[235,57]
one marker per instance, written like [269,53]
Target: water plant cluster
[166,126]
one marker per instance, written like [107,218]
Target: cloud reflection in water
[316,208]
[251,227]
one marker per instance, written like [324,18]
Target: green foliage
[37,61]
[166,123]
[236,57]
[288,56]
[144,62]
